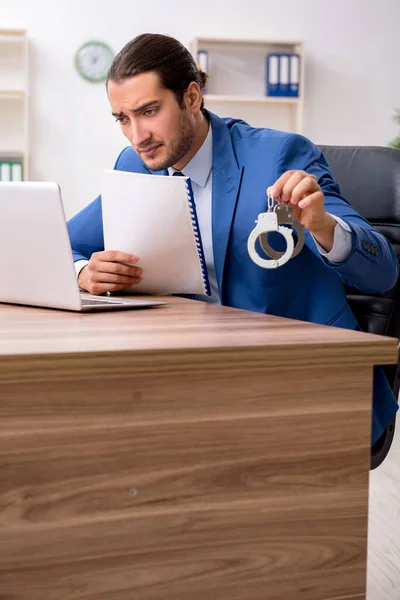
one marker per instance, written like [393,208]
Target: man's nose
[139,135]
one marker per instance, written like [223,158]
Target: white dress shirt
[200,173]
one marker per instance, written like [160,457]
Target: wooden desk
[189,452]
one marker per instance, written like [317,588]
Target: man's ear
[194,97]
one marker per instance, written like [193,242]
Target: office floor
[384,527]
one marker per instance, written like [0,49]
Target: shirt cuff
[342,242]
[79,264]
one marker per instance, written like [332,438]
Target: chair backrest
[369,179]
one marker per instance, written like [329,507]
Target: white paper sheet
[149,217]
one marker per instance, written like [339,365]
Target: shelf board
[12,32]
[244,42]
[251,99]
[12,35]
[12,39]
[11,154]
[11,94]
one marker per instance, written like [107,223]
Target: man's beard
[180,145]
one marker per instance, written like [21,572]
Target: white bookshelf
[14,94]
[237,82]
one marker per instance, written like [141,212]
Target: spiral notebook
[154,218]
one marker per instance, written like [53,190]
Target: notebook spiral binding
[196,231]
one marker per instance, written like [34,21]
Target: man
[154,89]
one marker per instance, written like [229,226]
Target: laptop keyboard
[89,302]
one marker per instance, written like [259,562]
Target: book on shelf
[10,170]
[203,64]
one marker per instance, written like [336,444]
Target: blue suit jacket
[245,162]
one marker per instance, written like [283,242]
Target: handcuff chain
[271,203]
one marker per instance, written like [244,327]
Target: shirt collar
[199,167]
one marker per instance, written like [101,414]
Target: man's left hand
[302,191]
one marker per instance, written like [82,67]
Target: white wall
[352,70]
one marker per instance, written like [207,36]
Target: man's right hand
[105,273]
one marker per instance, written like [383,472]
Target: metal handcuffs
[275,219]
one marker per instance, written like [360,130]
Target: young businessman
[154,89]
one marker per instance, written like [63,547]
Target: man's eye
[121,120]
[150,112]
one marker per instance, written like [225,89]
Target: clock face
[93,60]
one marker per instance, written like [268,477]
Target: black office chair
[369,179]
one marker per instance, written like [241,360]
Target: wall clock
[93,59]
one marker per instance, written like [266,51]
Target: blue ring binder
[275,85]
[196,231]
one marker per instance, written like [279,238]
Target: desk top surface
[183,326]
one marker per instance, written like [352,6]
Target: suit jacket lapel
[227,177]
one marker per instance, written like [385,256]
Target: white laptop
[36,264]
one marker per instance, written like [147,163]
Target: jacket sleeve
[85,229]
[372,265]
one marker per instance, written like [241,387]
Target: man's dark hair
[162,54]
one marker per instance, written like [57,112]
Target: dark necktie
[178,174]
